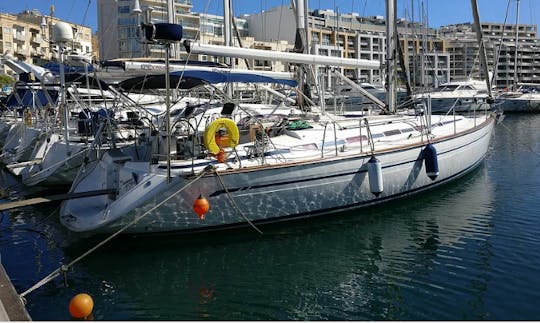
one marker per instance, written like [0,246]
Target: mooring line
[64,268]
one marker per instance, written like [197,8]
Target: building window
[123,9]
[126,21]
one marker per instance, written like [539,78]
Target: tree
[5,80]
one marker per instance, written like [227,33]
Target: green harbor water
[469,250]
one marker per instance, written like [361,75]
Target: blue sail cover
[29,97]
[232,76]
[191,78]
[54,67]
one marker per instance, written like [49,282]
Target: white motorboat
[460,96]
[520,101]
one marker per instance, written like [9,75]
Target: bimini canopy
[25,95]
[191,78]
[93,83]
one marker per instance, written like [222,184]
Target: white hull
[524,103]
[59,164]
[19,143]
[267,193]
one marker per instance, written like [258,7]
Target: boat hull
[271,193]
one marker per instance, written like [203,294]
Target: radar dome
[62,32]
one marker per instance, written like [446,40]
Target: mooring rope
[64,268]
[234,203]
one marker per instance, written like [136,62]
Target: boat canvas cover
[188,79]
[29,97]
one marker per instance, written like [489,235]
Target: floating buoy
[375,176]
[81,306]
[430,161]
[201,206]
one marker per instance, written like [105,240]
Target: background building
[22,37]
[351,36]
[118,27]
[501,52]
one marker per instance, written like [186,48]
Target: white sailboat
[319,164]
[521,98]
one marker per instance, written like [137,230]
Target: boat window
[407,130]
[392,132]
[351,140]
[304,147]
[449,88]
[331,143]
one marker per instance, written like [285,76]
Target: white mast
[479,38]
[227,35]
[516,49]
[390,56]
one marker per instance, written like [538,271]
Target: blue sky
[440,12]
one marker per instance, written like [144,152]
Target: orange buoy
[81,306]
[201,206]
[221,156]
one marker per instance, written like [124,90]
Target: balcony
[36,40]
[37,52]
[20,51]
[19,37]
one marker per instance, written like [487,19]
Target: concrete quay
[11,306]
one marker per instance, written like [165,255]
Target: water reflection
[466,251]
[420,258]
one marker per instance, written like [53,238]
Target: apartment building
[501,51]
[22,36]
[351,36]
[118,27]
[212,32]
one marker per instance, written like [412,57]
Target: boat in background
[525,99]
[459,96]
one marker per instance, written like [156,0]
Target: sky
[439,12]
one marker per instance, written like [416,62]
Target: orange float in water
[201,206]
[81,306]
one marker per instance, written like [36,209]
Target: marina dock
[11,306]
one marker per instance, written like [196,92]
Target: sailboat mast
[479,38]
[227,38]
[390,56]
[516,49]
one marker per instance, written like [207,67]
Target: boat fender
[430,161]
[221,133]
[375,176]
